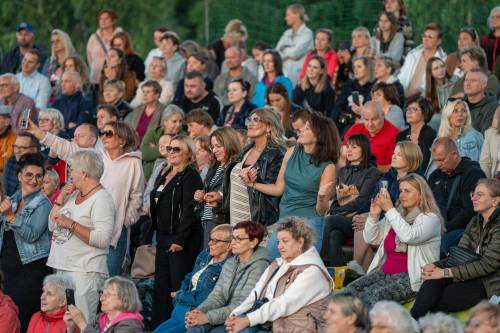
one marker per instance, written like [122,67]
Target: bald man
[76,108]
[382,134]
[233,61]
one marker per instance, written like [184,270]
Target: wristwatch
[446,273]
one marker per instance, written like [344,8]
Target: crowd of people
[251,177]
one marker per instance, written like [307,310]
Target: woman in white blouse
[82,222]
[490,154]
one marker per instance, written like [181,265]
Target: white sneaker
[354,266]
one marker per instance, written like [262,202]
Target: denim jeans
[449,239]
[316,223]
[176,322]
[116,254]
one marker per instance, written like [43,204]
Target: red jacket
[47,323]
[9,321]
[491,46]
[332,62]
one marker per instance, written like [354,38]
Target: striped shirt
[208,214]
[239,203]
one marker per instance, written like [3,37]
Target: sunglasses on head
[174,150]
[108,134]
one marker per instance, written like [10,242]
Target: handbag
[460,256]
[346,193]
[144,262]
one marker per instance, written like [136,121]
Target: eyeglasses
[104,294]
[412,110]
[107,134]
[175,150]
[427,36]
[217,241]
[239,239]
[253,120]
[43,120]
[29,176]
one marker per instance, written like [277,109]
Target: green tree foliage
[263,18]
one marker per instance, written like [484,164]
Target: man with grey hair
[11,96]
[76,108]
[490,42]
[482,106]
[381,133]
[235,70]
[392,317]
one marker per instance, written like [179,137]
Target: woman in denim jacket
[198,284]
[24,239]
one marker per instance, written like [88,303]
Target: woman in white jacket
[408,236]
[294,288]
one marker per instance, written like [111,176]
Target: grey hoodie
[236,281]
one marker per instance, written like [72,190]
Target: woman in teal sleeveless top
[307,176]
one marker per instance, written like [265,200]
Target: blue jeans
[255,329]
[449,239]
[176,322]
[316,223]
[207,328]
[116,254]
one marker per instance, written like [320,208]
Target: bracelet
[73,227]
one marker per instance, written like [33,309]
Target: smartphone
[355,98]
[384,184]
[25,118]
[70,297]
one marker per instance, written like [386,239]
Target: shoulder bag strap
[101,42]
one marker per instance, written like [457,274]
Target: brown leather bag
[144,262]
[346,193]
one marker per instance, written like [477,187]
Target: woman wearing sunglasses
[237,202]
[24,238]
[178,229]
[122,177]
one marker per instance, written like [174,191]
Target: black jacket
[174,214]
[459,211]
[239,118]
[322,102]
[216,187]
[425,139]
[136,64]
[342,106]
[364,179]
[12,60]
[264,209]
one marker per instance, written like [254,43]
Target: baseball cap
[4,111]
[24,25]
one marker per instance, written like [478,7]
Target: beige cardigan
[489,153]
[423,238]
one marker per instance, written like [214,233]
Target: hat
[4,111]
[345,45]
[24,25]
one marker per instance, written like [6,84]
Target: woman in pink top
[408,236]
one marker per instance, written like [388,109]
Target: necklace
[93,188]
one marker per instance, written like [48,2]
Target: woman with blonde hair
[314,92]
[457,125]
[408,237]
[490,156]
[178,229]
[157,71]
[407,158]
[62,48]
[265,152]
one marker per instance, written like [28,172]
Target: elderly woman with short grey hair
[82,222]
[391,317]
[51,120]
[51,185]
[120,305]
[346,314]
[439,323]
[171,122]
[52,305]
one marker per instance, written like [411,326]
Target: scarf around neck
[410,219]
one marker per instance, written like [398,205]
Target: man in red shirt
[382,134]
